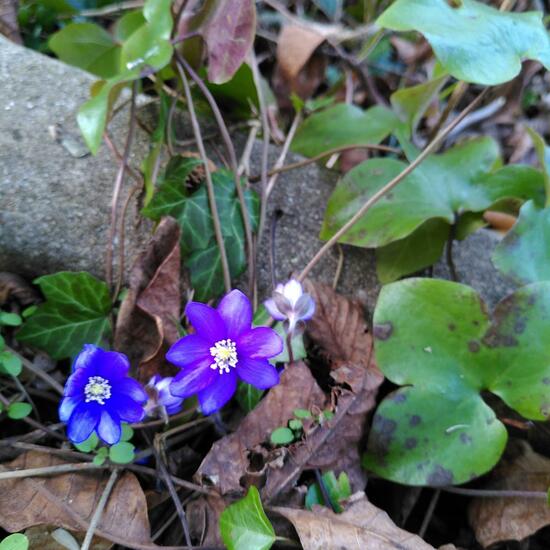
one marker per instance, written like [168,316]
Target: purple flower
[290,304]
[161,401]
[99,395]
[223,348]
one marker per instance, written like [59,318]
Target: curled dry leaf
[69,501]
[498,519]
[362,527]
[147,321]
[203,516]
[229,458]
[13,286]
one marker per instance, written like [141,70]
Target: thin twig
[116,153]
[429,513]
[244,163]
[339,266]
[50,470]
[324,154]
[98,512]
[390,185]
[39,373]
[224,132]
[489,493]
[117,188]
[208,178]
[324,490]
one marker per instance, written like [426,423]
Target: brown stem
[388,187]
[327,153]
[489,493]
[208,178]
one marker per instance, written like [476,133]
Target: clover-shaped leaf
[437,430]
[474,42]
[444,187]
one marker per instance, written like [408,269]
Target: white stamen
[224,353]
[97,389]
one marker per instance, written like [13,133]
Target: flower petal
[217,394]
[109,429]
[207,321]
[126,408]
[236,312]
[273,310]
[130,388]
[87,357]
[260,373]
[77,381]
[188,350]
[293,290]
[83,421]
[112,365]
[193,379]
[259,343]
[67,407]
[305,307]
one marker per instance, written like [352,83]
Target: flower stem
[289,348]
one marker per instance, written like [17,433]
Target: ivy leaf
[17,411]
[245,525]
[523,255]
[88,46]
[459,181]
[410,104]
[341,125]
[128,24]
[474,42]
[75,313]
[437,430]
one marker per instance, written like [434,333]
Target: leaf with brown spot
[147,321]
[228,460]
[361,527]
[69,501]
[498,519]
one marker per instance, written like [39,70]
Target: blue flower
[161,402]
[224,348]
[99,395]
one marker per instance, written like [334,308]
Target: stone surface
[55,207]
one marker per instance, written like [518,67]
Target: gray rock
[55,203]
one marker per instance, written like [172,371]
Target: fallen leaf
[339,326]
[203,515]
[69,501]
[498,519]
[362,526]
[50,538]
[229,35]
[229,458]
[13,286]
[147,321]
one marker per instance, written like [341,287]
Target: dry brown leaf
[339,326]
[229,458]
[362,526]
[8,20]
[13,286]
[146,323]
[69,501]
[203,516]
[497,519]
[44,538]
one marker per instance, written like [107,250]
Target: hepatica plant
[223,349]
[99,395]
[436,340]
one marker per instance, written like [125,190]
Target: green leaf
[248,396]
[474,42]
[245,525]
[282,436]
[543,154]
[410,104]
[343,124]
[89,445]
[17,541]
[10,363]
[17,411]
[10,319]
[302,413]
[524,255]
[437,430]
[128,24]
[421,248]
[75,313]
[458,181]
[295,425]
[122,453]
[101,456]
[338,490]
[127,432]
[88,46]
